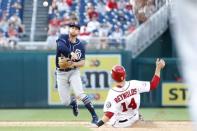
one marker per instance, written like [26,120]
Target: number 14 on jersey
[132,105]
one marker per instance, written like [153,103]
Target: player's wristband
[100,123]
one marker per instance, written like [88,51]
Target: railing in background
[103,43]
[91,43]
[148,32]
[33,23]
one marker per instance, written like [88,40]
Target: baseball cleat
[74,107]
[94,119]
[141,117]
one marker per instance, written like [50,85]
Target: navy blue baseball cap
[75,25]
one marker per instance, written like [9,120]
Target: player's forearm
[157,71]
[106,117]
[103,121]
[154,82]
[160,64]
[79,63]
[156,79]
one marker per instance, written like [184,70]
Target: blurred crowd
[104,22]
[11,27]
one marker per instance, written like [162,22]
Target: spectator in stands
[93,25]
[103,35]
[16,21]
[69,2]
[1,14]
[121,13]
[84,31]
[85,36]
[160,3]
[121,4]
[150,8]
[94,41]
[100,7]
[132,2]
[12,36]
[52,13]
[52,35]
[91,12]
[104,29]
[63,7]
[139,10]
[129,6]
[131,28]
[73,17]
[121,17]
[111,5]
[3,40]
[4,24]
[65,20]
[116,37]
[16,5]
[54,24]
[63,29]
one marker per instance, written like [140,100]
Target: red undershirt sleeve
[109,114]
[154,82]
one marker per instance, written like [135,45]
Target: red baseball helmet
[118,73]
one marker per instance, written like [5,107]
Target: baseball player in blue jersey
[71,53]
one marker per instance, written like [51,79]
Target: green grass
[66,114]
[44,115]
[165,114]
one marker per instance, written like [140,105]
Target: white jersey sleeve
[110,105]
[142,86]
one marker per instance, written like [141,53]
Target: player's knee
[81,96]
[84,98]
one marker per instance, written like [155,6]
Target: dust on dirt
[144,126]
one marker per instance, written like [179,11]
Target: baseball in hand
[160,63]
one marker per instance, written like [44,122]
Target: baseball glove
[64,62]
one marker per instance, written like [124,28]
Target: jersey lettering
[132,105]
[78,52]
[125,95]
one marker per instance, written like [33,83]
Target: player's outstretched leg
[90,107]
[74,107]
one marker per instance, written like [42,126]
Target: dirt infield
[146,126]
